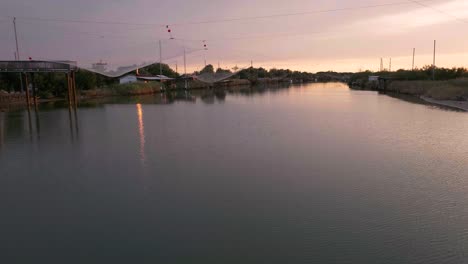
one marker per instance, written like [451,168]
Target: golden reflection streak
[141,130]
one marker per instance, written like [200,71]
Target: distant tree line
[261,73]
[419,74]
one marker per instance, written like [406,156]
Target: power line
[438,11]
[72,31]
[80,21]
[77,21]
[264,36]
[293,14]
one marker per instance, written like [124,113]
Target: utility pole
[414,53]
[17,52]
[176,69]
[204,56]
[381,65]
[16,39]
[160,58]
[434,62]
[390,65]
[185,69]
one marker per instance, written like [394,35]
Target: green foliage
[86,80]
[455,89]
[425,73]
[135,88]
[50,84]
[208,69]
[361,79]
[260,73]
[55,84]
[220,71]
[9,82]
[155,69]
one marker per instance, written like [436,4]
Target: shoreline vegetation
[52,86]
[449,89]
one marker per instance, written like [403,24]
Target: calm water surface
[307,174]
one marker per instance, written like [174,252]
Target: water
[307,174]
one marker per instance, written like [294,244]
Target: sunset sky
[341,35]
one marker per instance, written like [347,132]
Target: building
[99,66]
[154,78]
[129,78]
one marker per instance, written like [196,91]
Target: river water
[306,174]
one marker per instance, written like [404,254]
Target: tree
[221,71]
[208,69]
[154,69]
[85,80]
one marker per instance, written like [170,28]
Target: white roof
[154,78]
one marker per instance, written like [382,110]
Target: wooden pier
[29,68]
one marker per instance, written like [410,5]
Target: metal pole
[33,81]
[74,89]
[414,53]
[16,39]
[160,58]
[185,69]
[28,99]
[390,65]
[434,62]
[69,89]
[17,52]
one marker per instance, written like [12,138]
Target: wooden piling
[75,100]
[34,89]
[69,89]
[28,99]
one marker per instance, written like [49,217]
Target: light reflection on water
[306,174]
[141,131]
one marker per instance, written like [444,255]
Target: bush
[136,88]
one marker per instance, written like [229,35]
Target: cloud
[422,17]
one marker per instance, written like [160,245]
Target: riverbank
[14,101]
[136,89]
[451,90]
[451,93]
[462,105]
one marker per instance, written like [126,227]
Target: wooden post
[28,99]
[434,62]
[34,89]
[74,89]
[69,89]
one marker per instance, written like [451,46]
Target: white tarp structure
[154,78]
[215,77]
[109,49]
[144,55]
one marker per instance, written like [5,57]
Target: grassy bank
[451,83]
[129,89]
[456,90]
